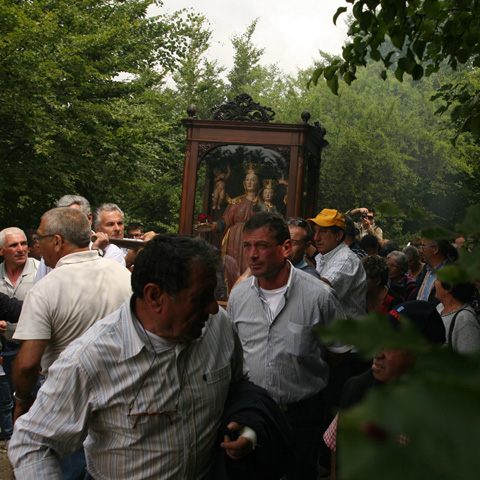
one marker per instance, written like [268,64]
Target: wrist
[27,399]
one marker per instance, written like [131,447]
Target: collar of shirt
[256,286]
[321,258]
[438,267]
[78,257]
[301,264]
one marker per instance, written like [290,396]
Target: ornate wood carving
[203,148]
[243,109]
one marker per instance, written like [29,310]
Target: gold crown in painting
[270,183]
[251,167]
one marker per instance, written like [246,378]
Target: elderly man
[82,288]
[337,265]
[108,223]
[145,387]
[275,313]
[17,275]
[81,203]
[17,272]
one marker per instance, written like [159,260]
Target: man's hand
[146,237]
[3,326]
[239,448]
[100,241]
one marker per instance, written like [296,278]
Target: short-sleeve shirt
[81,289]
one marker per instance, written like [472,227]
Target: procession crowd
[119,363]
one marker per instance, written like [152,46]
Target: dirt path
[6,472]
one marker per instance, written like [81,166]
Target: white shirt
[80,290]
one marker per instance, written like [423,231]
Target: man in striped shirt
[143,389]
[275,313]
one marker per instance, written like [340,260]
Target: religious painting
[241,180]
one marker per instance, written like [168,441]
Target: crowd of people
[119,363]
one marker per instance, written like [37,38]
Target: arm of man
[26,369]
[132,254]
[56,425]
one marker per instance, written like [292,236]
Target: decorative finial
[306,116]
[192,110]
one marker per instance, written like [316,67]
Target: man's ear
[58,242]
[154,295]
[287,247]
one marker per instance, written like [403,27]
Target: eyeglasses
[36,238]
[135,235]
[421,246]
[135,417]
[370,217]
[298,222]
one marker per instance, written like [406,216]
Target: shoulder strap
[452,325]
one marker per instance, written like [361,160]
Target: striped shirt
[111,371]
[345,272]
[281,349]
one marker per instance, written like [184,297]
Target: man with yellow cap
[337,264]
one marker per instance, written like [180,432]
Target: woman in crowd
[461,322]
[398,280]
[414,264]
[379,297]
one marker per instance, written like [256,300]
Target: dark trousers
[6,409]
[307,419]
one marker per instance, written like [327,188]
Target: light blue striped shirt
[281,350]
[94,382]
[345,272]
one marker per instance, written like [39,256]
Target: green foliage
[387,147]
[421,36]
[435,408]
[424,425]
[247,75]
[68,122]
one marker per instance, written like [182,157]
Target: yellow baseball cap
[328,218]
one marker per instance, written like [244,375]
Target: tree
[198,80]
[424,35]
[247,75]
[386,144]
[67,109]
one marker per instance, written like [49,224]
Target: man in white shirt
[82,288]
[101,241]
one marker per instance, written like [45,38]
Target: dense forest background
[93,93]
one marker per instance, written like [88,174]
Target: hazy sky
[291,32]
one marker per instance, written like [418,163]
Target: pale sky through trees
[291,32]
